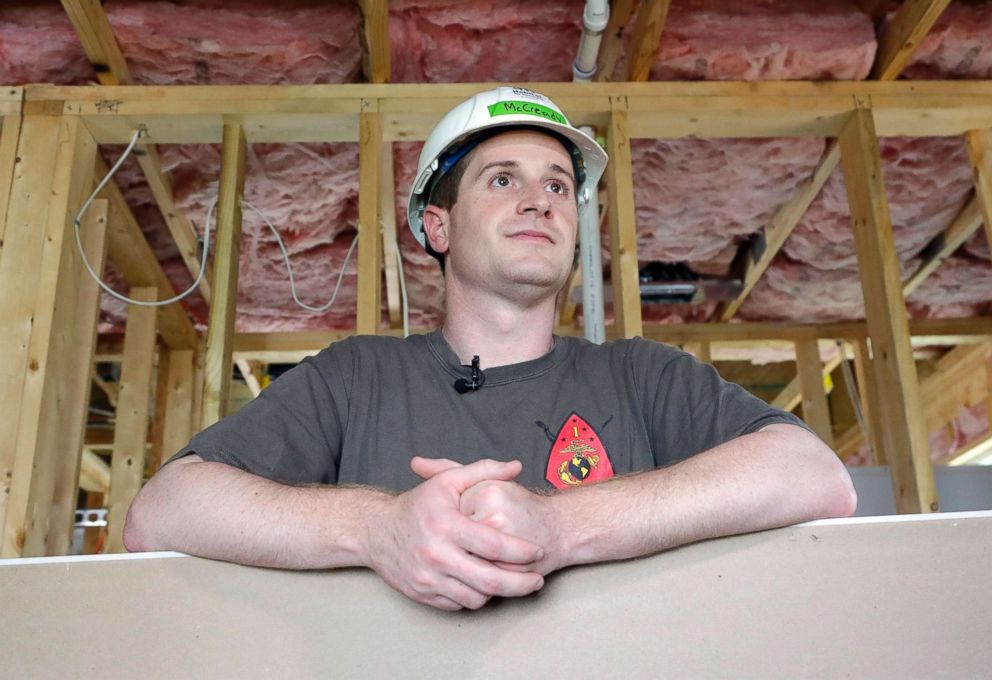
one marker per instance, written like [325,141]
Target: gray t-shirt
[362,408]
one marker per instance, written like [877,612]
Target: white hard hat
[502,107]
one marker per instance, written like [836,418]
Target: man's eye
[501,181]
[558,188]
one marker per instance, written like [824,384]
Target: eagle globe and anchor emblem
[577,456]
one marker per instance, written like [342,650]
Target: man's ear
[437,222]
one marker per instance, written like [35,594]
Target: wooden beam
[369,239]
[10,133]
[99,43]
[623,224]
[109,389]
[792,395]
[980,152]
[73,403]
[317,113]
[374,39]
[94,474]
[703,351]
[945,244]
[903,35]
[961,379]
[178,419]
[39,385]
[127,466]
[390,240]
[904,437]
[220,331]
[612,42]
[244,367]
[757,255]
[816,411]
[130,252]
[647,36]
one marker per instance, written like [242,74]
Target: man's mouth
[533,235]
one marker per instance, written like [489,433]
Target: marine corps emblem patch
[577,456]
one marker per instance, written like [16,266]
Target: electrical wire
[289,268]
[96,277]
[206,248]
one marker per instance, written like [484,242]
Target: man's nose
[535,199]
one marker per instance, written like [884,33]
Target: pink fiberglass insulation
[958,45]
[451,41]
[192,42]
[696,199]
[927,182]
[764,40]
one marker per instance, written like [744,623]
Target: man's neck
[499,332]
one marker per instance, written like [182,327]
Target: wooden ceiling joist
[374,38]
[647,36]
[97,37]
[99,43]
[900,38]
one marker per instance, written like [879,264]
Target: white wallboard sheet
[907,598]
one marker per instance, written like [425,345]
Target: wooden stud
[127,466]
[816,411]
[612,42]
[369,240]
[390,240]
[904,437]
[756,260]
[220,330]
[703,351]
[374,38]
[980,151]
[133,257]
[903,35]
[73,404]
[245,368]
[178,418]
[10,133]
[623,225]
[40,385]
[199,380]
[567,305]
[792,394]
[99,43]
[647,36]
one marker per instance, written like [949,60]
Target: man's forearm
[218,511]
[768,479]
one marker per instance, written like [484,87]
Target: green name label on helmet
[515,108]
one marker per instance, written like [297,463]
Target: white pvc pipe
[595,17]
[591,259]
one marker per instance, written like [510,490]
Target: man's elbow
[136,528]
[839,497]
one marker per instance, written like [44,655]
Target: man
[474,461]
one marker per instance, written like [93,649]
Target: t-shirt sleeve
[292,432]
[691,408]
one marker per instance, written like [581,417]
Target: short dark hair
[444,194]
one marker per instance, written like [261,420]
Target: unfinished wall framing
[374,116]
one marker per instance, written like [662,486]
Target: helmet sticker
[516,108]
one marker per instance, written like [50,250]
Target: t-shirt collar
[497,375]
